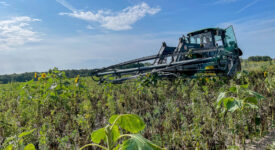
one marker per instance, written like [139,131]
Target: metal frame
[185,60]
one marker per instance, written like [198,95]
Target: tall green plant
[17,142]
[240,101]
[112,137]
[241,98]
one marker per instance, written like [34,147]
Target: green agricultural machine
[211,51]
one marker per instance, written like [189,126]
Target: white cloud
[4,3]
[122,20]
[16,31]
[90,27]
[247,6]
[66,4]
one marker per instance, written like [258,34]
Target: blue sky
[36,35]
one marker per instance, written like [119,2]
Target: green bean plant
[18,142]
[241,103]
[112,137]
[243,99]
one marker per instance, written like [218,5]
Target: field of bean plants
[55,112]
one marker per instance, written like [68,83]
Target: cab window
[195,39]
[230,39]
[218,40]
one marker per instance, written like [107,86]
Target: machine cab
[207,38]
[213,38]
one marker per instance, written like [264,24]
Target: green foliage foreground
[111,134]
[54,112]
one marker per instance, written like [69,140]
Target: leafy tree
[259,58]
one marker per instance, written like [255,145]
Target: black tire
[236,69]
[239,65]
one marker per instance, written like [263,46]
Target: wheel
[239,65]
[236,64]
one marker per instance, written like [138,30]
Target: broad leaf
[233,89]
[220,98]
[245,86]
[26,133]
[117,147]
[129,122]
[10,147]
[29,147]
[98,135]
[232,105]
[251,106]
[257,95]
[137,142]
[251,100]
[226,100]
[115,132]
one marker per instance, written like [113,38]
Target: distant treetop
[259,58]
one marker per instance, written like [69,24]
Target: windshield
[204,39]
[195,39]
[230,39]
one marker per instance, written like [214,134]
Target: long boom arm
[188,58]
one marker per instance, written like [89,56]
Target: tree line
[259,58]
[23,77]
